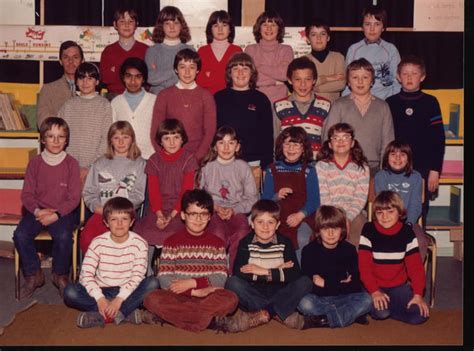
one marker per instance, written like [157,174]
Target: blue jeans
[76,296]
[397,307]
[257,296]
[61,232]
[341,310]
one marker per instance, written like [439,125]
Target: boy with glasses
[192,274]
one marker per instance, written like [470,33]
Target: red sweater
[112,58]
[46,186]
[212,74]
[195,108]
[389,257]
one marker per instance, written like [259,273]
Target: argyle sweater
[186,256]
[417,121]
[312,121]
[390,257]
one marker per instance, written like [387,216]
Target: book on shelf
[452,169]
[10,115]
[451,130]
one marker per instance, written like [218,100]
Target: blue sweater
[408,187]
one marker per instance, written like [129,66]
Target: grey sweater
[119,176]
[159,59]
[374,130]
[89,121]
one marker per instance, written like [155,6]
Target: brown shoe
[242,321]
[294,321]
[60,281]
[151,318]
[31,283]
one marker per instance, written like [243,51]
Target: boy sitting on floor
[192,274]
[267,278]
[111,284]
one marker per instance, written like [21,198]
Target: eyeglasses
[292,145]
[341,137]
[198,215]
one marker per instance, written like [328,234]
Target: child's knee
[306,304]
[235,283]
[70,293]
[415,316]
[151,283]
[379,314]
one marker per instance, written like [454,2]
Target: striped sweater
[312,121]
[185,256]
[344,186]
[108,264]
[390,257]
[270,256]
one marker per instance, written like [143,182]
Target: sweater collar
[172,42]
[411,95]
[170,157]
[378,42]
[53,159]
[341,167]
[180,86]
[268,45]
[320,55]
[389,231]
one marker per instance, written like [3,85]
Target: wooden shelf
[454,181]
[21,134]
[439,219]
[454,141]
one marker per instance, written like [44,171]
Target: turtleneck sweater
[417,121]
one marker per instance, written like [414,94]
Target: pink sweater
[195,108]
[272,60]
[48,186]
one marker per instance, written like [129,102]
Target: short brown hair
[389,199]
[223,17]
[187,55]
[170,13]
[395,146]
[48,124]
[317,23]
[126,128]
[296,135]
[412,60]
[270,16]
[378,12]
[361,63]
[120,13]
[118,204]
[242,59]
[265,206]
[330,217]
[171,126]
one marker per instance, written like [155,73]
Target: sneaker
[135,317]
[218,324]
[32,282]
[90,319]
[320,321]
[242,321]
[148,317]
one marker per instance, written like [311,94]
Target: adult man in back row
[53,95]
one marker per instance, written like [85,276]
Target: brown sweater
[195,108]
[50,99]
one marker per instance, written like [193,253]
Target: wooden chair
[14,195]
[432,252]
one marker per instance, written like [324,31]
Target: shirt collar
[374,42]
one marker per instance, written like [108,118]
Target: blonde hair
[126,128]
[388,199]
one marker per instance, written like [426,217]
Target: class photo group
[222,188]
